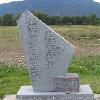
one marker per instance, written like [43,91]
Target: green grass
[88,66]
[11,78]
[14,76]
[90,63]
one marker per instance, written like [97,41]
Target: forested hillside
[53,7]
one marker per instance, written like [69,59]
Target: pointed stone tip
[26,12]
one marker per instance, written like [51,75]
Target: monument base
[27,93]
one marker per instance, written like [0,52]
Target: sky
[97,0]
[6,1]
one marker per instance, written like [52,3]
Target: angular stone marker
[48,56]
[47,53]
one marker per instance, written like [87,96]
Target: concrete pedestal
[27,93]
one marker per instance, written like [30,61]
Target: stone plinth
[27,93]
[68,83]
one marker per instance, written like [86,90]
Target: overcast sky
[97,1]
[6,1]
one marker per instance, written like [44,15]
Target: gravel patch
[10,97]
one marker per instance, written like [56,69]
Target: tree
[93,18]
[6,19]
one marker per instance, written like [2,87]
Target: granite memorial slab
[68,83]
[47,54]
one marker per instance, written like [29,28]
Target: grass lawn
[11,78]
[14,76]
[86,61]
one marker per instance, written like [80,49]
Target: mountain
[53,7]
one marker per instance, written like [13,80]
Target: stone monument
[48,56]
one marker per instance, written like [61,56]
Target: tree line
[10,19]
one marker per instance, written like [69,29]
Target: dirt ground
[85,38]
[15,55]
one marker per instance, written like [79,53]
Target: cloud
[97,1]
[7,1]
